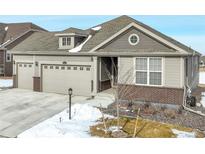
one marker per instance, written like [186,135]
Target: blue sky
[190,30]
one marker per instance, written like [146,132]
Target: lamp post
[70,92]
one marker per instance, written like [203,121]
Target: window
[81,68]
[66,41]
[68,68]
[133,39]
[88,69]
[8,57]
[149,71]
[75,68]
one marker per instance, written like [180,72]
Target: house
[145,64]
[10,35]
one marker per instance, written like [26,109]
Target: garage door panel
[25,76]
[61,79]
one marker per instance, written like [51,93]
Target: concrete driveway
[23,109]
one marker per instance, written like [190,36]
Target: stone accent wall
[36,84]
[151,94]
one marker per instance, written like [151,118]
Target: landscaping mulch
[177,116]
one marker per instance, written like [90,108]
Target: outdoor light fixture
[70,92]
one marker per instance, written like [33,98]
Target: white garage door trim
[25,75]
[58,78]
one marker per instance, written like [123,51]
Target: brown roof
[76,31]
[11,31]
[48,42]
[113,26]
[39,41]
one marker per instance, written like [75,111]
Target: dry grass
[145,129]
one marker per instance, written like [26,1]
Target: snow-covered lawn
[202,77]
[182,134]
[6,83]
[83,116]
[203,99]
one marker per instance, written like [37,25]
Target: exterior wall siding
[173,72]
[145,42]
[192,78]
[125,70]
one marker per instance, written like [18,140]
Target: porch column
[95,76]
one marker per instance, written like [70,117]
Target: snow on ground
[83,116]
[6,83]
[202,77]
[96,28]
[182,134]
[203,99]
[78,48]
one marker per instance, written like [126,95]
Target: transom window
[149,71]
[66,41]
[133,39]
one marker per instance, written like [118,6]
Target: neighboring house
[147,64]
[202,61]
[10,35]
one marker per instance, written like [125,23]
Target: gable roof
[39,41]
[110,28]
[47,41]
[76,31]
[12,31]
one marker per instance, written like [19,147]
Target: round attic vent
[133,39]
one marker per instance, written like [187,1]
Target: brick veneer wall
[151,94]
[36,83]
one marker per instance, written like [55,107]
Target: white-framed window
[148,71]
[8,57]
[66,41]
[133,39]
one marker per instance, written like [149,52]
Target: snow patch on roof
[6,28]
[78,48]
[96,28]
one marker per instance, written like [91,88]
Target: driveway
[22,109]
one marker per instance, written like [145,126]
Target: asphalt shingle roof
[47,41]
[113,26]
[11,31]
[39,41]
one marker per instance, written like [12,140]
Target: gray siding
[126,70]
[192,78]
[173,70]
[145,42]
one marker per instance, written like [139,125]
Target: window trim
[66,41]
[138,39]
[148,72]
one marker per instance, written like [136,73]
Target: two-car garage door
[59,78]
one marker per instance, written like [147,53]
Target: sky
[189,30]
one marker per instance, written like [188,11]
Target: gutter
[106,54]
